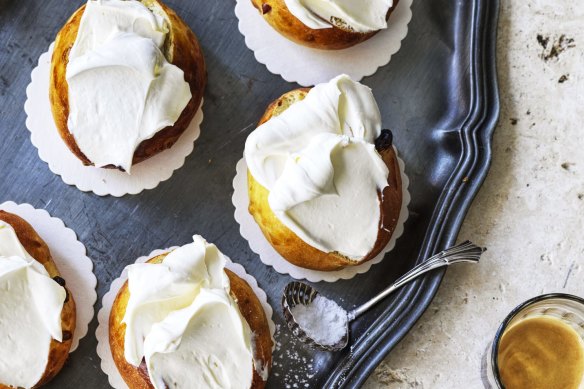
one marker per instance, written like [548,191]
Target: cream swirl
[319,162]
[357,15]
[182,319]
[30,313]
[122,90]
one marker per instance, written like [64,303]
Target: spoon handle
[464,252]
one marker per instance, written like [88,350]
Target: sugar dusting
[323,320]
[294,370]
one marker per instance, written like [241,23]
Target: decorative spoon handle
[464,252]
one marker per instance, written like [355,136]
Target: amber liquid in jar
[541,352]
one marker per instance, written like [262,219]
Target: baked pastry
[184,321]
[323,178]
[326,24]
[37,313]
[127,78]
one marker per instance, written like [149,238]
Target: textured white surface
[70,257]
[249,229]
[366,57]
[529,212]
[102,332]
[102,182]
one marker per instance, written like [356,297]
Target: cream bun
[37,312]
[326,24]
[323,178]
[182,320]
[127,77]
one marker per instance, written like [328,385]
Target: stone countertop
[529,211]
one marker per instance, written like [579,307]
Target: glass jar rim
[511,316]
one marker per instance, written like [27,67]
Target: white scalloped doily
[102,182]
[249,229]
[102,333]
[70,257]
[307,66]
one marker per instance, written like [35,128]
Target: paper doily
[249,229]
[45,137]
[102,333]
[307,66]
[70,257]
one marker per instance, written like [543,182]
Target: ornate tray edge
[457,196]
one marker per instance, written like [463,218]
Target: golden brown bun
[247,302]
[38,249]
[276,13]
[287,243]
[181,49]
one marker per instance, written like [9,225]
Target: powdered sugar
[292,365]
[323,320]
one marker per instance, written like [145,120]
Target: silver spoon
[300,293]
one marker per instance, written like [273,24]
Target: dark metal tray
[438,94]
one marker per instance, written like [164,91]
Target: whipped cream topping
[182,320]
[357,15]
[30,313]
[319,163]
[122,90]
